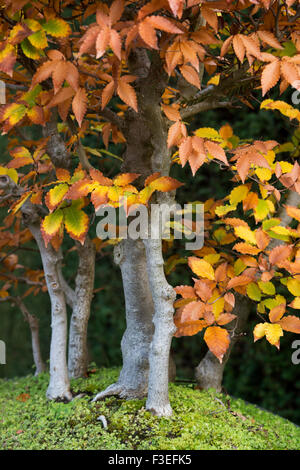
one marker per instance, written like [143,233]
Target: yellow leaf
[223,210]
[259,331]
[246,234]
[273,333]
[264,174]
[238,194]
[218,307]
[293,286]
[261,210]
[295,303]
[201,267]
[208,133]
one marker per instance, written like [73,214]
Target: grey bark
[133,379]
[209,372]
[33,322]
[163,298]
[59,385]
[84,286]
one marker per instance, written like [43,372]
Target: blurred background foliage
[255,372]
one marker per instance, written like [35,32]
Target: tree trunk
[78,351]
[33,322]
[163,298]
[59,386]
[133,379]
[209,372]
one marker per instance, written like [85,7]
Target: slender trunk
[163,298]
[78,351]
[59,386]
[33,322]
[133,379]
[209,372]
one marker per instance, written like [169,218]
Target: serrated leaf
[238,194]
[51,225]
[246,234]
[55,196]
[76,223]
[79,105]
[57,27]
[165,184]
[127,94]
[31,51]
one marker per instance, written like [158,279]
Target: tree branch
[202,106]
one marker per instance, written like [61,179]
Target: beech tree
[140,74]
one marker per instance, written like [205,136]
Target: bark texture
[163,298]
[33,322]
[59,385]
[133,379]
[84,286]
[209,372]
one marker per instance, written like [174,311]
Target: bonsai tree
[140,74]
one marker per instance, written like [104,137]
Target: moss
[201,420]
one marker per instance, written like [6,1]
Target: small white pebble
[103,421]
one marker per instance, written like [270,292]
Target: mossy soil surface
[201,420]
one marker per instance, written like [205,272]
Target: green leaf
[267,287]
[253,291]
[51,225]
[57,28]
[76,223]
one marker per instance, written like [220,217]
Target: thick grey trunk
[78,351]
[59,386]
[209,372]
[163,297]
[133,379]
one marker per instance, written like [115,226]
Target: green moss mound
[201,420]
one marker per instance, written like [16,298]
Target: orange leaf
[290,323]
[217,340]
[185,291]
[125,178]
[148,33]
[279,254]
[163,24]
[225,318]
[270,76]
[127,94]
[239,281]
[190,74]
[276,313]
[165,184]
[79,105]
[192,311]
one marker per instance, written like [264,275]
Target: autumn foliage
[72,69]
